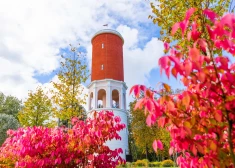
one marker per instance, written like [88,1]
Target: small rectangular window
[102,45]
[102,67]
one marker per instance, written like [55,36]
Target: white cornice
[107,80]
[108,31]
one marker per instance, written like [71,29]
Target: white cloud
[139,62]
[33,32]
[130,36]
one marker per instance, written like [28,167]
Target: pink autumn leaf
[157,144]
[194,54]
[166,46]
[224,44]
[57,160]
[139,104]
[232,50]
[195,35]
[149,105]
[120,150]
[203,114]
[175,27]
[150,120]
[185,145]
[164,62]
[171,150]
[74,120]
[183,25]
[210,14]
[162,121]
[136,89]
[228,20]
[211,32]
[223,61]
[218,115]
[230,77]
[188,68]
[194,149]
[168,70]
[90,157]
[175,60]
[189,13]
[189,35]
[202,43]
[142,87]
[10,132]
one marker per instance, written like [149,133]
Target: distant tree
[68,91]
[144,135]
[37,110]
[9,105]
[7,122]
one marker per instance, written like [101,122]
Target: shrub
[83,144]
[151,164]
[128,164]
[158,164]
[141,163]
[167,163]
[155,164]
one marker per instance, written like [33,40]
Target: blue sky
[34,34]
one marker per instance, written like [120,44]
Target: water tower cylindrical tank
[107,55]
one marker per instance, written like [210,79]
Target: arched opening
[115,99]
[101,99]
[91,101]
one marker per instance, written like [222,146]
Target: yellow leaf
[193,120]
[186,100]
[167,87]
[213,146]
[187,124]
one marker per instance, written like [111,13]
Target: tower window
[101,101]
[102,67]
[102,45]
[115,99]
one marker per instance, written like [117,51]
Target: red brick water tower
[107,90]
[107,56]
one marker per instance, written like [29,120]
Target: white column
[95,97]
[122,98]
[108,95]
[89,101]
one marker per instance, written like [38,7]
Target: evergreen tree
[7,122]
[9,105]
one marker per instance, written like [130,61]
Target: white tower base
[110,95]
